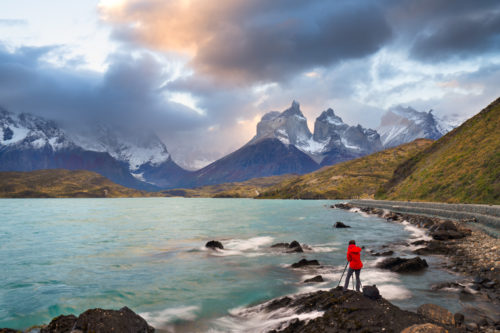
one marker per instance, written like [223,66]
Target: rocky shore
[471,253]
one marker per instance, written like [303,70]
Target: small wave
[258,319]
[394,292]
[242,247]
[357,210]
[416,232]
[165,317]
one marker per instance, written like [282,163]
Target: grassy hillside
[463,166]
[60,183]
[359,178]
[247,189]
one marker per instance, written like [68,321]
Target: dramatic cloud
[257,41]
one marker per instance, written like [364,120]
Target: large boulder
[371,292]
[436,313]
[60,324]
[305,262]
[433,247]
[401,265]
[104,321]
[424,328]
[339,224]
[213,244]
[295,247]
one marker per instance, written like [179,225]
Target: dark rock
[317,278]
[305,262]
[213,244]
[348,311]
[8,330]
[61,324]
[446,285]
[459,319]
[483,322]
[444,235]
[419,242]
[295,247]
[446,225]
[434,247]
[478,279]
[489,284]
[344,206]
[475,287]
[436,313]
[281,245]
[340,225]
[470,326]
[401,265]
[278,303]
[103,321]
[371,292]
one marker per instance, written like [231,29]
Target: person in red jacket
[355,264]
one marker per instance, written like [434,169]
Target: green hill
[61,183]
[463,166]
[359,178]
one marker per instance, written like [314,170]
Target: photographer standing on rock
[355,264]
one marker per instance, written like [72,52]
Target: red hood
[354,249]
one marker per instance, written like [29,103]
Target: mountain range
[283,144]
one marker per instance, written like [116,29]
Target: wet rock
[401,265]
[443,235]
[103,321]
[470,326]
[295,247]
[278,303]
[344,206]
[317,278]
[436,313]
[459,319]
[483,322]
[444,285]
[424,328]
[446,225]
[305,262]
[61,324]
[433,247]
[348,311]
[8,330]
[419,242]
[281,245]
[371,292]
[339,224]
[213,244]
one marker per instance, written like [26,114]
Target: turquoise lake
[62,256]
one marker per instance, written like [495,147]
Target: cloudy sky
[202,73]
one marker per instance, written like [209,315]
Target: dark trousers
[348,277]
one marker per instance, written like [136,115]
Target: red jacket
[354,257]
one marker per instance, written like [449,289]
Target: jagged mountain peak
[404,124]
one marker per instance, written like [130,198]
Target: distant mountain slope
[59,183]
[463,166]
[267,157]
[359,178]
[401,125]
[131,158]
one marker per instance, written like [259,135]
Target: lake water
[61,256]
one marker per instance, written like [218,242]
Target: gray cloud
[460,37]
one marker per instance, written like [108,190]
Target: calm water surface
[61,256]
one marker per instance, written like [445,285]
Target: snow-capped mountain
[401,125]
[136,160]
[333,140]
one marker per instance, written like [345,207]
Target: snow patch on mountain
[404,124]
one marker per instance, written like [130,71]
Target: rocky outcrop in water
[294,246]
[401,265]
[339,224]
[305,263]
[347,311]
[213,244]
